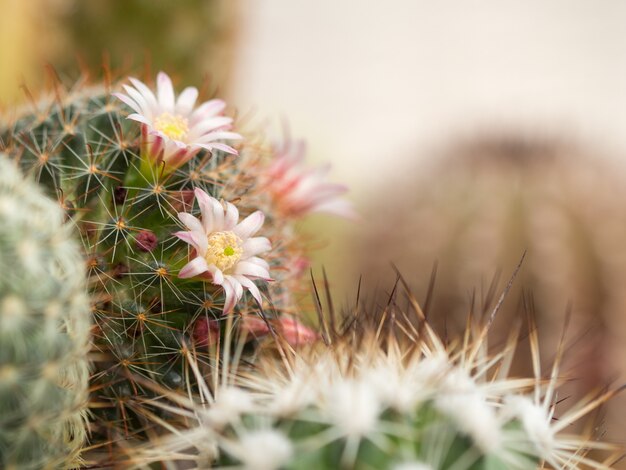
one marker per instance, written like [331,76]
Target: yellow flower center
[174,126]
[224,250]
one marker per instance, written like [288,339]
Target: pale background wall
[373,85]
[369,82]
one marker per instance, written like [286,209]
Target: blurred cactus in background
[388,395]
[45,319]
[478,207]
[158,273]
[194,37]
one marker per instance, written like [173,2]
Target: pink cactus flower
[298,191]
[224,250]
[173,130]
[290,329]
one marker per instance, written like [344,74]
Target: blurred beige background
[368,82]
[373,85]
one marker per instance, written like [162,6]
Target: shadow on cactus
[44,330]
[375,394]
[179,224]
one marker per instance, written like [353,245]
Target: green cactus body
[85,152]
[44,330]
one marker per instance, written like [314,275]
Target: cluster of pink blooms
[224,250]
[298,191]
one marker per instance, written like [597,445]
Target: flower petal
[195,267]
[250,225]
[198,240]
[208,125]
[254,246]
[207,110]
[165,92]
[218,215]
[236,285]
[250,269]
[215,146]
[232,216]
[295,333]
[145,91]
[128,101]
[191,222]
[217,274]
[259,262]
[230,294]
[186,101]
[218,135]
[251,286]
[139,99]
[139,118]
[212,211]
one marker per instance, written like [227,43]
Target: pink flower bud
[254,326]
[295,333]
[146,241]
[287,328]
[205,332]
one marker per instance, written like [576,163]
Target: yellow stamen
[224,250]
[174,126]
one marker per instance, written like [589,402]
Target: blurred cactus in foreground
[388,395]
[45,319]
[179,230]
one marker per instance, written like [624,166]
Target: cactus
[133,191]
[485,201]
[389,395]
[44,330]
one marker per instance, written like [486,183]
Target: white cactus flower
[173,129]
[224,249]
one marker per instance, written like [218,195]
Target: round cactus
[45,319]
[392,395]
[180,225]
